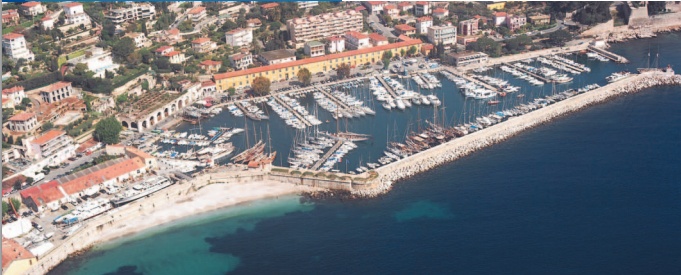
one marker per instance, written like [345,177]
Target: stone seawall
[459,147]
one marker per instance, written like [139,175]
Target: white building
[442,34]
[24,122]
[57,91]
[335,44]
[174,57]
[15,47]
[239,37]
[196,14]
[314,48]
[75,14]
[315,28]
[241,61]
[138,38]
[422,8]
[16,94]
[54,145]
[32,8]
[423,23]
[203,45]
[499,18]
[307,4]
[97,60]
[357,40]
[135,11]
[375,7]
[277,57]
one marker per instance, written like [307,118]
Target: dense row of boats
[292,112]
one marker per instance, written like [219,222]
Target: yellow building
[323,64]
[496,5]
[15,258]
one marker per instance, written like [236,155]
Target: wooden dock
[609,55]
[327,155]
[338,102]
[573,67]
[464,76]
[387,87]
[531,73]
[294,112]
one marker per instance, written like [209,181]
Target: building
[10,17]
[208,87]
[15,47]
[440,13]
[241,61]
[53,145]
[7,103]
[405,6]
[276,57]
[540,19]
[500,18]
[377,39]
[163,50]
[320,64]
[210,66]
[239,37]
[465,40]
[203,45]
[103,104]
[307,4]
[335,44]
[174,57]
[468,27]
[375,7]
[314,48]
[466,58]
[422,24]
[47,22]
[75,14]
[268,6]
[442,34]
[57,91]
[97,60]
[515,22]
[32,8]
[24,122]
[404,29]
[15,94]
[427,48]
[253,23]
[134,11]
[357,41]
[138,38]
[391,10]
[172,36]
[16,259]
[496,5]
[315,28]
[197,14]
[422,8]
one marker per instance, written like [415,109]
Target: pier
[294,112]
[387,87]
[464,76]
[327,155]
[247,112]
[338,102]
[530,73]
[566,65]
[609,55]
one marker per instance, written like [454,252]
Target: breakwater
[460,147]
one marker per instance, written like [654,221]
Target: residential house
[500,18]
[253,23]
[445,35]
[276,57]
[315,28]
[53,145]
[540,19]
[356,40]
[422,24]
[314,48]
[47,22]
[391,10]
[210,66]
[465,40]
[57,92]
[440,13]
[405,6]
[75,14]
[174,57]
[15,47]
[335,44]
[32,8]
[427,48]
[239,37]
[163,50]
[268,6]
[133,12]
[375,7]
[241,61]
[16,259]
[16,94]
[468,27]
[197,14]
[7,103]
[515,22]
[377,39]
[97,60]
[203,45]
[404,29]
[422,8]
[172,36]
[138,38]
[24,122]
[10,17]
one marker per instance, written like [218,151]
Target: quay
[609,55]
[338,102]
[294,112]
[530,73]
[464,76]
[573,67]
[387,87]
[246,112]
[327,155]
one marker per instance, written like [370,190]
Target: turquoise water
[595,192]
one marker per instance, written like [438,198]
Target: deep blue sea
[595,192]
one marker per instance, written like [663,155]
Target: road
[71,165]
[558,26]
[386,31]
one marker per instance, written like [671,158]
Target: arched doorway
[144,125]
[134,125]
[166,113]
[125,124]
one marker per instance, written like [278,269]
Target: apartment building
[24,122]
[514,22]
[375,7]
[314,48]
[335,44]
[422,24]
[446,35]
[133,12]
[440,13]
[54,145]
[391,10]
[75,14]
[540,19]
[32,8]
[241,61]
[56,92]
[307,4]
[239,37]
[499,18]
[276,57]
[15,47]
[405,6]
[357,41]
[203,45]
[377,39]
[15,94]
[324,25]
[422,8]
[197,14]
[468,27]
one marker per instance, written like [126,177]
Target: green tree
[305,76]
[124,47]
[231,91]
[17,205]
[25,101]
[261,85]
[5,208]
[486,45]
[343,70]
[559,37]
[412,50]
[47,126]
[108,130]
[122,98]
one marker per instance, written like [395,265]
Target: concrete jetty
[334,99]
[573,67]
[327,155]
[294,112]
[612,56]
[387,87]
[464,76]
[530,73]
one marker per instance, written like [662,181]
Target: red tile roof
[269,5]
[12,36]
[375,3]
[406,42]
[500,14]
[173,53]
[422,3]
[335,38]
[207,84]
[404,28]
[57,86]
[44,193]
[201,40]
[30,4]
[427,46]
[12,251]
[50,135]
[72,4]
[197,10]
[357,35]
[254,21]
[377,37]
[22,117]
[86,145]
[103,172]
[174,31]
[209,63]
[235,30]
[163,48]
[12,90]
[389,7]
[440,10]
[424,18]
[360,8]
[403,37]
